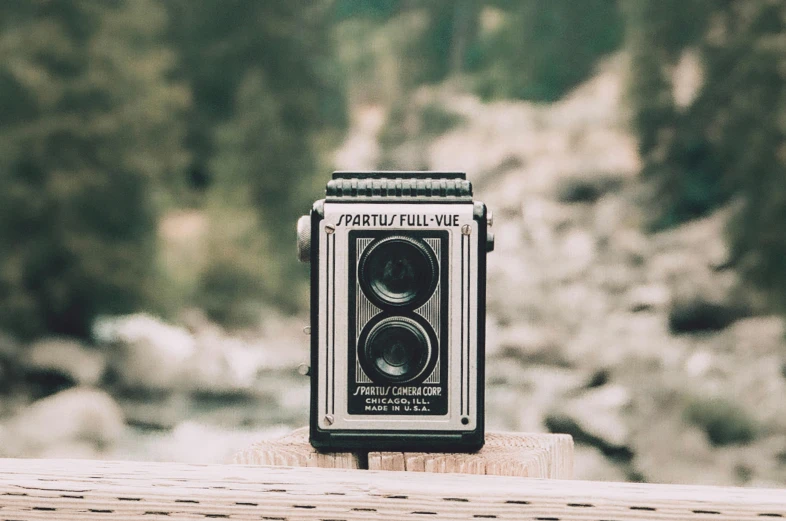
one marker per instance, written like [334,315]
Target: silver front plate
[333,328]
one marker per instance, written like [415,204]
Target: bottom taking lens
[397,349]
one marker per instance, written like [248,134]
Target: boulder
[590,464]
[630,246]
[83,417]
[577,252]
[198,443]
[153,414]
[673,452]
[759,336]
[587,188]
[67,358]
[648,297]
[529,343]
[702,297]
[223,365]
[608,217]
[597,418]
[614,339]
[150,354]
[541,389]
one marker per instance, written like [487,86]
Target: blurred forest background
[155,155]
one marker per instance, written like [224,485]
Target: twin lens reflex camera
[398,281]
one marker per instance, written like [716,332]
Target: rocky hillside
[645,347]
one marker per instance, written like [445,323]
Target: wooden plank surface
[96,491]
[505,454]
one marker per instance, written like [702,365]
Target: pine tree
[728,143]
[89,132]
[221,41]
[678,159]
[543,49]
[268,103]
[259,166]
[745,58]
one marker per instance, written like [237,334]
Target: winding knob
[304,239]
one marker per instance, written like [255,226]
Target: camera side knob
[304,239]
[489,233]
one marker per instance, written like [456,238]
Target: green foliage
[375,9]
[410,128]
[415,43]
[544,49]
[394,133]
[679,160]
[436,120]
[90,134]
[220,41]
[439,49]
[371,55]
[268,102]
[238,272]
[727,144]
[748,132]
[722,421]
[262,166]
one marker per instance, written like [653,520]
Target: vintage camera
[398,283]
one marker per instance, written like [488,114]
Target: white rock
[577,252]
[699,363]
[493,331]
[83,416]
[541,220]
[590,464]
[631,246]
[600,413]
[671,451]
[192,442]
[223,364]
[616,338]
[648,297]
[547,387]
[151,354]
[67,357]
[609,216]
[529,342]
[759,335]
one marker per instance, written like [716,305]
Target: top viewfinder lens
[398,271]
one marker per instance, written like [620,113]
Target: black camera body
[398,281]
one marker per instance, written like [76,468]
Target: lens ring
[398,272]
[395,350]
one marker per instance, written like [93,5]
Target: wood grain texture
[505,454]
[293,450]
[111,491]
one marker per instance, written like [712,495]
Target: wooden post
[293,450]
[62,490]
[505,454]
